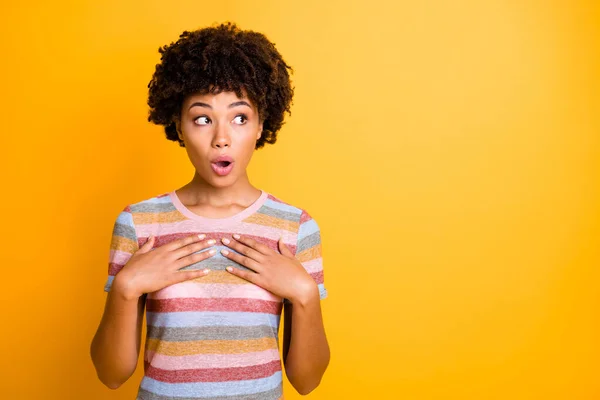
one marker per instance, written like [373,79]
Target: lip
[221,171]
[222,157]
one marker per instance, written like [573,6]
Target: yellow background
[449,151]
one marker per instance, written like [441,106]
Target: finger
[283,249]
[194,258]
[243,249]
[254,244]
[192,248]
[181,276]
[146,247]
[176,244]
[247,275]
[242,260]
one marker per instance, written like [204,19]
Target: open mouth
[222,168]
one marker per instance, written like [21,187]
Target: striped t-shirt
[216,336]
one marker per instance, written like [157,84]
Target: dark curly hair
[221,58]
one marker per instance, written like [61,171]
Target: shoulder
[284,208]
[143,210]
[298,219]
[150,204]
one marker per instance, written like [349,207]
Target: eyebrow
[235,104]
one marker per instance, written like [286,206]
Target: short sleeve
[308,251]
[122,245]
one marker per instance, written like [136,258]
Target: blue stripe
[282,206]
[322,290]
[125,218]
[211,389]
[307,228]
[157,200]
[108,283]
[211,318]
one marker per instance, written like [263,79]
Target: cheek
[199,142]
[197,152]
[197,160]
[245,139]
[246,149]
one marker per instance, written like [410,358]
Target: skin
[211,125]
[209,128]
[207,131]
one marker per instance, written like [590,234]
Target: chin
[221,181]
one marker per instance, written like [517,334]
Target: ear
[260,129]
[178,128]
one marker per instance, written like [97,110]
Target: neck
[198,191]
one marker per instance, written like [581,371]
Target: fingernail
[229,269]
[236,236]
[225,240]
[206,271]
[201,236]
[225,252]
[212,251]
[212,241]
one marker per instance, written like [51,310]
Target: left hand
[280,273]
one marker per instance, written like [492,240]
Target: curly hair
[221,58]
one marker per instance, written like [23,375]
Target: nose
[222,139]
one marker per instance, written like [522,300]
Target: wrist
[123,287]
[308,294]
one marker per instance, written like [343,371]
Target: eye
[202,116]
[242,116]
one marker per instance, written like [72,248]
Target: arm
[116,345]
[305,348]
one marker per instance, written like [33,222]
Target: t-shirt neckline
[232,218]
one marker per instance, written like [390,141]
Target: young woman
[214,262]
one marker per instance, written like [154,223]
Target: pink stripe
[189,227]
[305,216]
[317,276]
[161,240]
[119,256]
[211,304]
[197,375]
[210,360]
[113,269]
[221,290]
[314,265]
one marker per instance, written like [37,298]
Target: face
[212,125]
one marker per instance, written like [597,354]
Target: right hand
[149,270]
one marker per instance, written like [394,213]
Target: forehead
[223,98]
